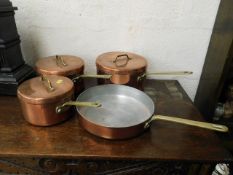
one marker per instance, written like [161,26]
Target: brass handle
[60,61]
[211,126]
[117,60]
[62,108]
[165,73]
[91,76]
[47,83]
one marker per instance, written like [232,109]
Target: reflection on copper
[130,79]
[120,79]
[43,114]
[111,133]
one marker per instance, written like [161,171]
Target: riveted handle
[92,76]
[206,125]
[165,73]
[47,83]
[62,108]
[60,61]
[117,59]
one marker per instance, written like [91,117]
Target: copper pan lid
[49,89]
[64,65]
[121,62]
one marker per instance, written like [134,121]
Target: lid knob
[47,83]
[117,60]
[60,61]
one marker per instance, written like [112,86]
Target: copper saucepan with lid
[46,100]
[68,66]
[64,65]
[125,112]
[126,68]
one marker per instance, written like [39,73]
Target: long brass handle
[117,59]
[62,108]
[206,125]
[47,83]
[165,73]
[91,76]
[60,61]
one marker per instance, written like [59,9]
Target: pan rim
[116,85]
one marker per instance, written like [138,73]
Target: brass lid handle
[118,58]
[47,83]
[60,61]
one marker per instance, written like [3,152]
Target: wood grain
[163,141]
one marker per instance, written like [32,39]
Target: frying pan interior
[122,106]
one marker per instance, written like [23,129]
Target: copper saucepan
[125,112]
[63,65]
[46,100]
[126,68]
[68,66]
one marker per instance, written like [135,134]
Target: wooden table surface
[164,141]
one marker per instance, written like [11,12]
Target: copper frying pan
[125,112]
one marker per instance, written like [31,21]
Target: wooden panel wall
[217,60]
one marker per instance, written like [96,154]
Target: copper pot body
[112,133]
[45,114]
[129,79]
[125,68]
[54,65]
[39,106]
